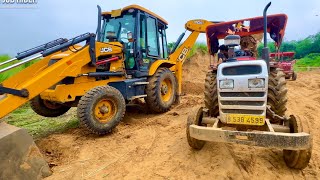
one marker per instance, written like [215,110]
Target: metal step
[136,97]
[140,83]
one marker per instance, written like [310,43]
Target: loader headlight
[256,83]
[226,84]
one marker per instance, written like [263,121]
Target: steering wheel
[239,53]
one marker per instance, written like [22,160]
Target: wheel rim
[105,110]
[166,90]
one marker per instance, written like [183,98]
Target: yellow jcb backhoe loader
[127,58]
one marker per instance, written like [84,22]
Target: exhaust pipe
[99,24]
[265,50]
[19,64]
[265,21]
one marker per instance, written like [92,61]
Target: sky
[22,29]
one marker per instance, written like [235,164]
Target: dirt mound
[59,151]
[149,146]
[194,72]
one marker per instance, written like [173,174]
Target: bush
[198,47]
[312,60]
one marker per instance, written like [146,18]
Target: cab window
[152,41]
[162,41]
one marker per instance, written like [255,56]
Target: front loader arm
[44,78]
[179,56]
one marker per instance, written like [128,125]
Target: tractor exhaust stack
[265,50]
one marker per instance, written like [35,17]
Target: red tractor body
[285,61]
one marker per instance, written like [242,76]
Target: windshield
[118,28]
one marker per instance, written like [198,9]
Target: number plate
[245,119]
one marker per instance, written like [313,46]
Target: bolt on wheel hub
[164,89]
[105,110]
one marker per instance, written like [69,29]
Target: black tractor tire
[101,109]
[298,159]
[161,91]
[211,94]
[277,92]
[195,118]
[47,108]
[294,76]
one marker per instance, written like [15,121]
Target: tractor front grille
[242,94]
[242,111]
[242,102]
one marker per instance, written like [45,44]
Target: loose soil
[154,146]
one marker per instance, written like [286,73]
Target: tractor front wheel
[298,159]
[294,76]
[211,94]
[277,92]
[161,91]
[101,109]
[47,108]
[195,119]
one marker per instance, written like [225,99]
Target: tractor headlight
[226,84]
[256,83]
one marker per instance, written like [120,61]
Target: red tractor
[285,61]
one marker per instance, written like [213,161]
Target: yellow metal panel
[27,73]
[158,63]
[142,9]
[104,49]
[199,25]
[180,55]
[116,13]
[68,66]
[66,93]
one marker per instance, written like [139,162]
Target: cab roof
[134,6]
[246,27]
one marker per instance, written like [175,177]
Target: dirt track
[148,146]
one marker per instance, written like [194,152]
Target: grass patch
[198,47]
[7,74]
[311,60]
[39,126]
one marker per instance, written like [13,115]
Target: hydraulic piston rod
[19,63]
[6,62]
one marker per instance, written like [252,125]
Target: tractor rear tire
[211,94]
[298,159]
[294,76]
[195,118]
[101,109]
[161,91]
[47,108]
[277,92]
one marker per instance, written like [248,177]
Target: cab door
[152,42]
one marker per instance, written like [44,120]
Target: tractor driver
[223,54]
